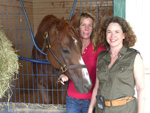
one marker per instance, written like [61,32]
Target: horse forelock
[66,30]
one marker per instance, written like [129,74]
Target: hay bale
[9,64]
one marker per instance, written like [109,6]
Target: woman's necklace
[113,55]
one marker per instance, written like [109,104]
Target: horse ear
[74,19]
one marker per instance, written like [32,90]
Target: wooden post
[119,8]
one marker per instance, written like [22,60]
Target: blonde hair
[94,32]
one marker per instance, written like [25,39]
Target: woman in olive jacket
[119,69]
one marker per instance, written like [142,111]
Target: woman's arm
[139,76]
[93,99]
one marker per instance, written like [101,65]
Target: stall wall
[10,18]
[59,8]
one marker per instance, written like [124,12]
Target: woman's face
[86,28]
[114,35]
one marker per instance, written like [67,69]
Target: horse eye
[65,51]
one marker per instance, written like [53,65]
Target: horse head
[63,47]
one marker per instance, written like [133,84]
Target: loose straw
[9,64]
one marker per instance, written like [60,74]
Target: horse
[59,40]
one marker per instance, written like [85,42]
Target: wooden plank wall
[37,9]
[63,8]
[12,20]
[59,8]
[14,24]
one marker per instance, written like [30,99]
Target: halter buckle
[63,68]
[48,46]
[45,35]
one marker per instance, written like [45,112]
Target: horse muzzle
[85,85]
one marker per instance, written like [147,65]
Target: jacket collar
[121,53]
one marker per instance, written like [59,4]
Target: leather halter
[63,67]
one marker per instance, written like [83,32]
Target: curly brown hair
[130,37]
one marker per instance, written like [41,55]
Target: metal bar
[72,9]
[30,28]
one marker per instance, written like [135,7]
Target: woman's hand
[63,78]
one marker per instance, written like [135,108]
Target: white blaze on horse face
[85,72]
[75,41]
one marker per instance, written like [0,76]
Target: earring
[123,37]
